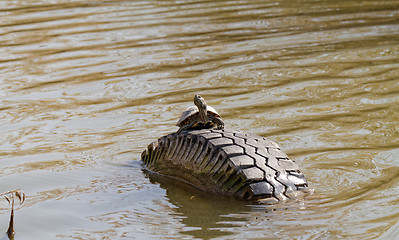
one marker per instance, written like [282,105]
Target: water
[86,85]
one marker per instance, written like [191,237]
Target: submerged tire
[245,166]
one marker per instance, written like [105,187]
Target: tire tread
[232,163]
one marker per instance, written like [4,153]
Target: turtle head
[202,107]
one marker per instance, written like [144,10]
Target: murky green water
[86,85]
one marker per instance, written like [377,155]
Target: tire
[231,163]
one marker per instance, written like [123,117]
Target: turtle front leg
[219,122]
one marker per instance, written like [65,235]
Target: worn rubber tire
[231,163]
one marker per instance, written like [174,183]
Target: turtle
[200,116]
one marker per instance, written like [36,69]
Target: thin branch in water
[10,197]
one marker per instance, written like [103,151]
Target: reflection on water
[204,216]
[85,86]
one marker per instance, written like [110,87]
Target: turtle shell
[193,113]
